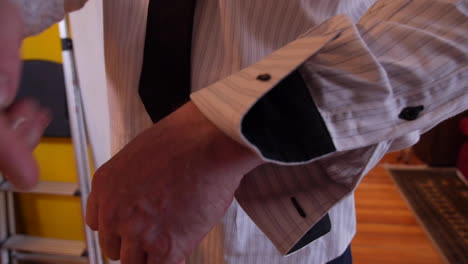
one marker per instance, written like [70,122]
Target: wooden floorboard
[388,232]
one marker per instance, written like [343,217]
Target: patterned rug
[439,198]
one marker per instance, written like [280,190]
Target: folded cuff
[251,105]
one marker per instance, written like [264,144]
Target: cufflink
[411,113]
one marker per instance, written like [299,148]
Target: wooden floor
[388,232]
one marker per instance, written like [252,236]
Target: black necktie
[165,76]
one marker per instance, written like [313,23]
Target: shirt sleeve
[40,15]
[398,72]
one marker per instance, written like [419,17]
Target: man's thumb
[17,163]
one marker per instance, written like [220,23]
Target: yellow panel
[45,46]
[50,216]
[47,215]
[56,159]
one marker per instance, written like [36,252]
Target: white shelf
[46,187]
[46,258]
[40,245]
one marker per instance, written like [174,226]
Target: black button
[411,113]
[264,77]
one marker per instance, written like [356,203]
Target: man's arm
[354,86]
[21,123]
[401,69]
[376,88]
[164,191]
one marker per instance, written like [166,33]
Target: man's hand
[21,124]
[21,128]
[158,197]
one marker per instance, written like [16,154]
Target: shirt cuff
[237,104]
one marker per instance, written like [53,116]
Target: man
[289,131]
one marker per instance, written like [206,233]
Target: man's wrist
[220,150]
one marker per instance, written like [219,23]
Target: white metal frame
[79,137]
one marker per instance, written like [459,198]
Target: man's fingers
[92,212]
[153,260]
[16,160]
[110,243]
[33,130]
[132,252]
[156,260]
[29,121]
[17,163]
[163,249]
[11,35]
[109,236]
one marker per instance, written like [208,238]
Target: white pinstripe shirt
[362,67]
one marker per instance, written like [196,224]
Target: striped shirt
[380,73]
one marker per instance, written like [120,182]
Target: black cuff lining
[285,124]
[320,229]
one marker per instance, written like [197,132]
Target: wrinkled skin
[158,197]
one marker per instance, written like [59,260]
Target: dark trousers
[345,258]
